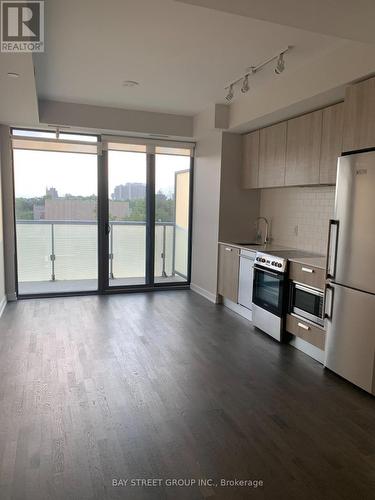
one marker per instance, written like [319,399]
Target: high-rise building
[129,191]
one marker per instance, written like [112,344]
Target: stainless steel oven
[269,294]
[306,302]
[268,290]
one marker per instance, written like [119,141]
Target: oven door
[306,302]
[268,290]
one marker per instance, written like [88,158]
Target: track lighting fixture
[245,84]
[252,70]
[280,65]
[230,94]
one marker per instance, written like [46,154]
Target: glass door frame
[98,170]
[103,224]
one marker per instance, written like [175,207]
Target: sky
[76,174]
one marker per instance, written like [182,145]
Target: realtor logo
[22,26]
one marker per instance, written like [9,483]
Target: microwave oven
[306,302]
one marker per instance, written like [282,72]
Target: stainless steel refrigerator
[350,295]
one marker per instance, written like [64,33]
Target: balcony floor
[72,286]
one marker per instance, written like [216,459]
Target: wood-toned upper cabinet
[303,149]
[332,128]
[359,116]
[272,150]
[229,266]
[250,160]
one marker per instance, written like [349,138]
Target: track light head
[245,84]
[230,94]
[280,65]
[243,81]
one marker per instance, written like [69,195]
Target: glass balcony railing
[63,252]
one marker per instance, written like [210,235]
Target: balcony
[62,256]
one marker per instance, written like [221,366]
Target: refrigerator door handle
[332,249]
[328,310]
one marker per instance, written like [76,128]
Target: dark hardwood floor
[167,385]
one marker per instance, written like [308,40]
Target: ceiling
[18,103]
[183,56]
[352,20]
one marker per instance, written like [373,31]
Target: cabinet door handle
[307,270]
[304,327]
[228,249]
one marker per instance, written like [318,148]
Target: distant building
[71,209]
[118,210]
[38,212]
[129,191]
[52,193]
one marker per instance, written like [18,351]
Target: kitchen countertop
[256,248]
[307,258]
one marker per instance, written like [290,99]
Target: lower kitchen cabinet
[229,264]
[306,331]
[307,275]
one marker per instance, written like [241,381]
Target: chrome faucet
[266,235]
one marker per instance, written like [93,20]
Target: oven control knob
[263,260]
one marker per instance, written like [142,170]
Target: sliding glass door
[172,203]
[127,218]
[56,221]
[87,221]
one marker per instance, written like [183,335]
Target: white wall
[102,118]
[222,210]
[306,208]
[319,82]
[238,207]
[8,212]
[206,205]
[2,275]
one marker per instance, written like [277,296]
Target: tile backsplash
[299,215]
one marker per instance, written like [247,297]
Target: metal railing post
[164,274]
[174,250]
[111,276]
[53,256]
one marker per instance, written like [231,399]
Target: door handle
[270,273]
[107,228]
[304,327]
[330,292]
[331,266]
[228,249]
[307,270]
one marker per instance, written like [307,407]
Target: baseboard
[237,308]
[3,303]
[205,293]
[308,349]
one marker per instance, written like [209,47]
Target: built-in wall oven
[306,302]
[269,294]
